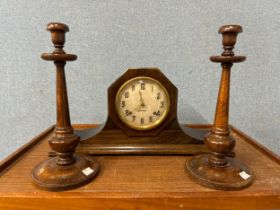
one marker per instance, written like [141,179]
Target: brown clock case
[114,137]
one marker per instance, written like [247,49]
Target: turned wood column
[66,170]
[63,131]
[216,170]
[220,141]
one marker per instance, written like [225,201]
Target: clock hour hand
[142,103]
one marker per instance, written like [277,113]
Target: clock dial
[142,103]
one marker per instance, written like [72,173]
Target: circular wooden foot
[52,177]
[234,176]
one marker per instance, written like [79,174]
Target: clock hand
[142,103]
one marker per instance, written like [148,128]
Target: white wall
[111,36]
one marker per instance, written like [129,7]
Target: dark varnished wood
[217,170]
[114,137]
[158,182]
[113,121]
[115,142]
[65,171]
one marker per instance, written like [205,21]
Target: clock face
[142,103]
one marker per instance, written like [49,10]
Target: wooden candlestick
[217,170]
[66,171]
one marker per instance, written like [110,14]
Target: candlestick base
[233,176]
[52,177]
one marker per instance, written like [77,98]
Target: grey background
[111,36]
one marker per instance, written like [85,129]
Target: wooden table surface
[140,182]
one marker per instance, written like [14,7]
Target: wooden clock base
[52,177]
[233,176]
[174,140]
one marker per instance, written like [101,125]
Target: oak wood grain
[143,182]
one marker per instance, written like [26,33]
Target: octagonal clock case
[142,119]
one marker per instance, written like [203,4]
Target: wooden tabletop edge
[135,195]
[273,156]
[8,161]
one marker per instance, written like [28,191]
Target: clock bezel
[149,126]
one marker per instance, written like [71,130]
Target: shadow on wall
[191,116]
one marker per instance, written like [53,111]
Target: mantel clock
[142,119]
